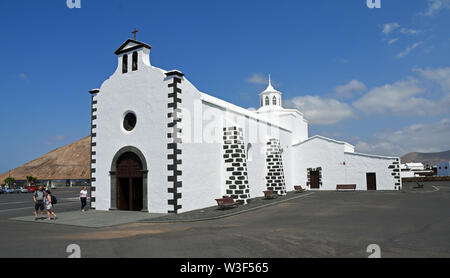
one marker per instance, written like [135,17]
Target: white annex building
[161,145]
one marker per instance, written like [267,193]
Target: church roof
[134,45]
[242,111]
[270,88]
[315,137]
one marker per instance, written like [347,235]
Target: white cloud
[411,96]
[394,28]
[390,27]
[408,50]
[393,41]
[399,98]
[415,138]
[440,76]
[347,90]
[257,78]
[321,111]
[434,6]
[407,98]
[408,31]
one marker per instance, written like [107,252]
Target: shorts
[39,205]
[49,207]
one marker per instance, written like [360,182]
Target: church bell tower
[270,98]
[133,55]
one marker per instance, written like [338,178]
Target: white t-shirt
[83,193]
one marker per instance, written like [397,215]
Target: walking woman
[49,206]
[83,198]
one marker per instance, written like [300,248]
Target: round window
[129,122]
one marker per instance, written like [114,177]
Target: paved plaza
[409,223]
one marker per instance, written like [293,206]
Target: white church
[162,146]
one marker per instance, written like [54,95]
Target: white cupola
[270,97]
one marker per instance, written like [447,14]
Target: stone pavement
[413,223]
[100,219]
[93,218]
[215,213]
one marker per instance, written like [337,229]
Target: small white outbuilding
[412,169]
[443,169]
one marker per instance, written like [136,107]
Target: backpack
[54,201]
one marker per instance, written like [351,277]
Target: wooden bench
[226,203]
[346,187]
[299,188]
[270,195]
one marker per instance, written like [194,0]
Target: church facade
[161,145]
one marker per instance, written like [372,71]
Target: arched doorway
[129,180]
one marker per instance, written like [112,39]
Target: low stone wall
[425,179]
[426,184]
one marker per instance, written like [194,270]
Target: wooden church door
[314,179]
[129,182]
[371,181]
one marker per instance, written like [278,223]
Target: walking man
[83,198]
[38,197]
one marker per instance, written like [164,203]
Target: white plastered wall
[203,162]
[318,153]
[357,165]
[340,165]
[145,93]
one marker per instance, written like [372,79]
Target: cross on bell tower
[134,33]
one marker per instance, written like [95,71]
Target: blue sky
[377,78]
